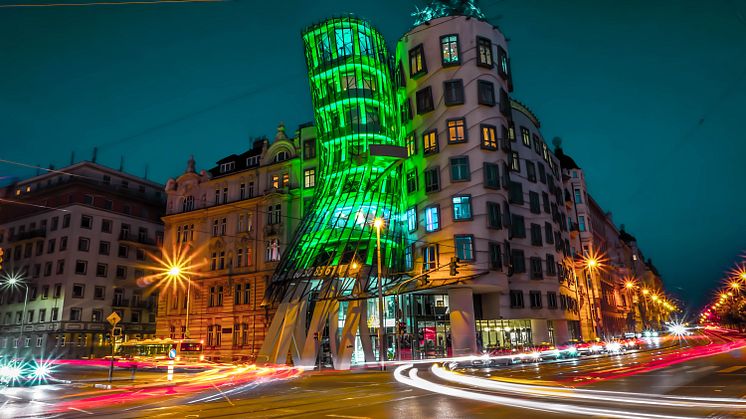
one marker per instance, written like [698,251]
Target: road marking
[80,410]
[733,369]
[703,369]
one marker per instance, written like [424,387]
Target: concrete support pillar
[463,327]
[561,332]
[539,331]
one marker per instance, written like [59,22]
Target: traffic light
[453,265]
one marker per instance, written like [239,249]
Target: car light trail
[414,380]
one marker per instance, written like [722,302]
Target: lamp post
[176,272]
[378,224]
[591,264]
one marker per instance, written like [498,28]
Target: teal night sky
[648,98]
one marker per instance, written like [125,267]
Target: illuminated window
[343,39]
[456,130]
[464,247]
[309,178]
[461,208]
[460,169]
[272,251]
[449,50]
[581,223]
[502,58]
[526,136]
[411,144]
[324,47]
[408,258]
[430,142]
[511,132]
[412,219]
[430,257]
[484,52]
[227,167]
[417,65]
[515,162]
[275,181]
[489,137]
[432,218]
[366,46]
[453,92]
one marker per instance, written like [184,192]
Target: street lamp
[378,224]
[14,280]
[176,268]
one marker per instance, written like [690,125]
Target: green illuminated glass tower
[355,110]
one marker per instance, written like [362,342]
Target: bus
[159,349]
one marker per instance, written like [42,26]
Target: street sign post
[113,320]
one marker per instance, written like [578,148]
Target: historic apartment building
[234,221]
[79,239]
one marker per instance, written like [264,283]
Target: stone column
[463,326]
[539,331]
[561,332]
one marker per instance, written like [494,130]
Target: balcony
[120,302]
[142,239]
[27,235]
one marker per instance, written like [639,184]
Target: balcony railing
[120,302]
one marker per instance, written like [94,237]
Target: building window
[424,99]
[432,180]
[515,162]
[344,44]
[552,300]
[121,272]
[84,244]
[536,235]
[449,50]
[430,142]
[504,103]
[517,226]
[516,299]
[530,171]
[81,267]
[518,261]
[526,136]
[534,204]
[60,267]
[484,52]
[227,167]
[123,251]
[461,208]
[515,193]
[76,314]
[548,233]
[551,265]
[42,315]
[274,214]
[536,272]
[78,290]
[453,92]
[494,216]
[66,221]
[430,257]
[309,178]
[489,137]
[456,130]
[491,175]
[432,218]
[581,223]
[272,251]
[460,169]
[50,247]
[535,297]
[464,247]
[408,258]
[578,196]
[410,142]
[86,222]
[106,226]
[412,219]
[486,93]
[104,248]
[412,181]
[99,293]
[309,149]
[417,65]
[495,255]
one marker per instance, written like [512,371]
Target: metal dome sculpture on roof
[441,8]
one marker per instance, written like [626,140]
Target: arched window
[188,204]
[281,156]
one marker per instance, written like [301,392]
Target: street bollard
[170,375]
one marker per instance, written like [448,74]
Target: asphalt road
[378,395]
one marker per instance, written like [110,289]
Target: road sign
[113,318]
[172,353]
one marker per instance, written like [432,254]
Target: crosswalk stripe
[733,368]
